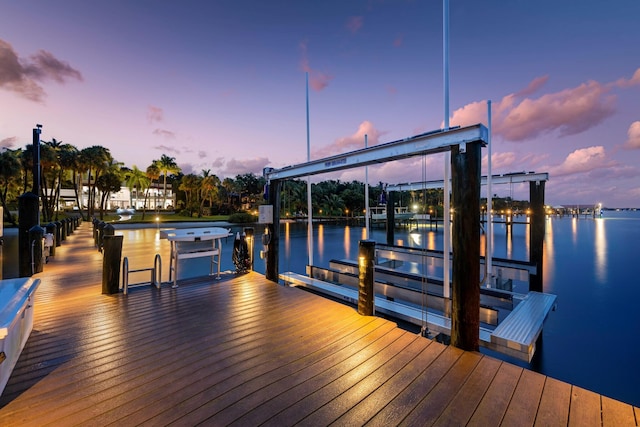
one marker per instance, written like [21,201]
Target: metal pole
[366,193]
[36,165]
[309,204]
[447,156]
[489,237]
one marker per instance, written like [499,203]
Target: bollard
[366,254]
[111,264]
[58,237]
[63,230]
[108,230]
[36,235]
[101,227]
[28,215]
[95,223]
[51,228]
[250,239]
[69,226]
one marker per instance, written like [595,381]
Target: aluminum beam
[511,178]
[428,143]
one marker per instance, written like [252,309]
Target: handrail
[157,267]
[156,274]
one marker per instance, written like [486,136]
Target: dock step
[519,331]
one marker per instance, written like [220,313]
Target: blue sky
[221,85]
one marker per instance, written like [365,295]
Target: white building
[124,198]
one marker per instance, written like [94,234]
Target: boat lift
[464,146]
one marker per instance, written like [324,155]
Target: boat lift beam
[510,178]
[434,142]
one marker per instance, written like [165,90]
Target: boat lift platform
[515,336]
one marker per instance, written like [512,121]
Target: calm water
[591,340]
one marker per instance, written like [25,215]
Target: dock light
[415,208]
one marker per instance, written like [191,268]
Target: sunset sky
[220,85]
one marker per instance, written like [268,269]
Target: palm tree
[166,165]
[138,180]
[107,183]
[153,173]
[49,173]
[68,161]
[10,168]
[208,189]
[96,158]
[190,185]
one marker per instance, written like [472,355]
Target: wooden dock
[245,351]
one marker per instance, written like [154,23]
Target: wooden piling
[465,179]
[271,269]
[391,217]
[366,255]
[111,264]
[536,233]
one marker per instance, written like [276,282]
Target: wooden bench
[194,243]
[515,336]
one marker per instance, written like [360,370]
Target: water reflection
[321,238]
[548,257]
[600,249]
[287,240]
[347,241]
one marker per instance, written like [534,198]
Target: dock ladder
[155,271]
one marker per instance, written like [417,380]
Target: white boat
[125,211]
[379,213]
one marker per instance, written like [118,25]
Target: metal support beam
[511,178]
[427,143]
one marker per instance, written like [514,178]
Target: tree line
[64,166]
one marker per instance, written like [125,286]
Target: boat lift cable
[424,331]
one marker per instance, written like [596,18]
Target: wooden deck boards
[245,351]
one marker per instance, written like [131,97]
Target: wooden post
[58,233]
[366,255]
[271,270]
[28,216]
[391,218]
[36,236]
[111,264]
[536,233]
[465,180]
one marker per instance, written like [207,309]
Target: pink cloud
[634,80]
[355,23]
[23,76]
[167,149]
[633,140]
[352,142]
[8,142]
[167,134]
[533,87]
[235,167]
[582,160]
[155,114]
[318,80]
[568,112]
